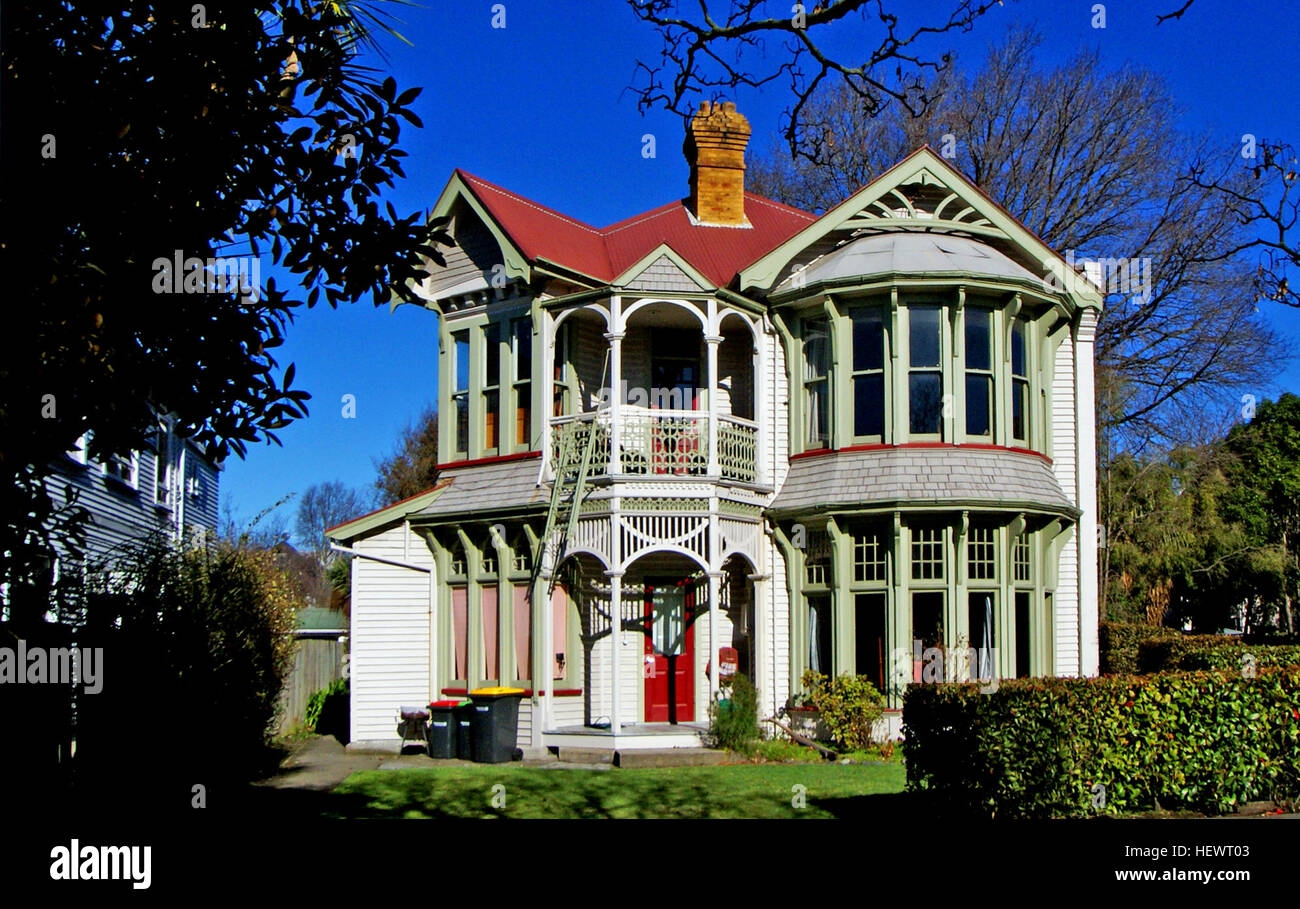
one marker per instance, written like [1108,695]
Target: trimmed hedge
[1075,747]
[1212,651]
[1119,644]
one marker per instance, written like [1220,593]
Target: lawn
[728,791]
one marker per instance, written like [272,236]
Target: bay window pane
[869,405]
[523,349]
[461,364]
[979,339]
[925,397]
[979,409]
[461,403]
[868,340]
[816,348]
[492,349]
[1020,410]
[924,335]
[491,417]
[818,419]
[1018,366]
[819,634]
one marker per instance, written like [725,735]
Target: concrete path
[320,764]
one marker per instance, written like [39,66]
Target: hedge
[1212,651]
[1073,747]
[1119,644]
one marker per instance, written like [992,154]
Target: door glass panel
[668,621]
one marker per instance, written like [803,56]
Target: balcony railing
[661,443]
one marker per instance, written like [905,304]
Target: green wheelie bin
[496,723]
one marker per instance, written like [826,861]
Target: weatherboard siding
[391,643]
[1064,464]
[122,515]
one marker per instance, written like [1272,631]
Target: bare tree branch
[1176,14]
[702,56]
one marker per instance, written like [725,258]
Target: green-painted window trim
[505,385]
[952,369]
[899,587]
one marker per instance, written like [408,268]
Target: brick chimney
[715,149]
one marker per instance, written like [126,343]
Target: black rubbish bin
[496,723]
[464,714]
[442,729]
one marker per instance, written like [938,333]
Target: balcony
[662,443]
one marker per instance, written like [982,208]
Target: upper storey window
[868,373]
[460,391]
[522,342]
[816,381]
[979,373]
[492,386]
[925,375]
[1020,409]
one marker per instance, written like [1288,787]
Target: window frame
[937,369]
[1021,383]
[940,543]
[808,379]
[985,537]
[490,387]
[873,313]
[459,399]
[989,374]
[108,467]
[522,385]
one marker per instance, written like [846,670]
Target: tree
[324,505]
[1265,496]
[142,141]
[1093,163]
[709,45]
[413,467]
[267,528]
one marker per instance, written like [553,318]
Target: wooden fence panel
[317,662]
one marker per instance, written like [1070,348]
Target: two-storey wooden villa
[826,442]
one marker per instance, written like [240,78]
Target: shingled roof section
[485,488]
[605,253]
[924,476]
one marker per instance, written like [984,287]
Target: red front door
[669,654]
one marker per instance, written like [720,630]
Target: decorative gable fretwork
[923,203]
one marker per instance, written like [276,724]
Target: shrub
[1212,651]
[849,706]
[198,639]
[1119,644]
[327,709]
[733,724]
[1072,747]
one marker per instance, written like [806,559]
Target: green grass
[729,791]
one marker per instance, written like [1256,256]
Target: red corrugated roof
[605,253]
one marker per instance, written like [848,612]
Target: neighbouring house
[727,427]
[170,490]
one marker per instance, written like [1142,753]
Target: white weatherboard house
[728,426]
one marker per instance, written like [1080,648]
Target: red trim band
[496,459]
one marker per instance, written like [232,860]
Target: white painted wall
[391,634]
[1065,459]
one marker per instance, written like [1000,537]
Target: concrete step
[570,755]
[669,757]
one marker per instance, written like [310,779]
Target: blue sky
[541,107]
